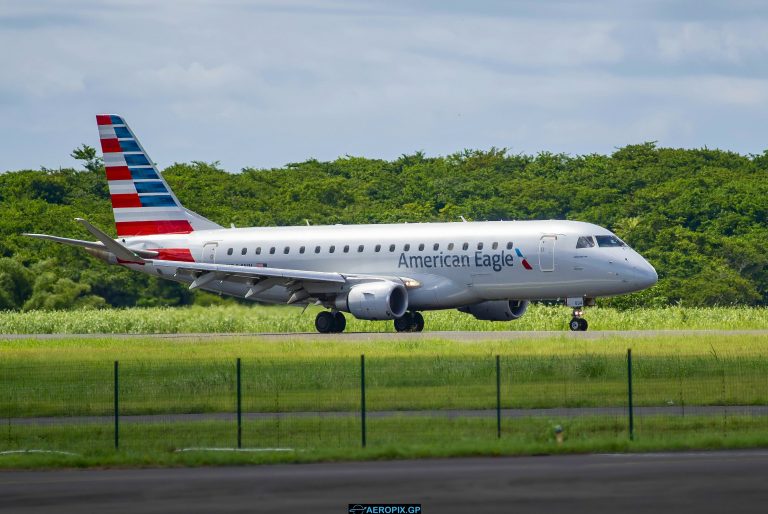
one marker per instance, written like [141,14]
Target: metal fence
[319,404]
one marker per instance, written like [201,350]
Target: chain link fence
[292,404]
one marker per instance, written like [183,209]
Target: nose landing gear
[578,324]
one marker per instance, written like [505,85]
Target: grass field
[159,444]
[256,319]
[74,377]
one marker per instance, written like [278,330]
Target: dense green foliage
[698,215]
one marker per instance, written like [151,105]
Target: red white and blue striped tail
[142,202]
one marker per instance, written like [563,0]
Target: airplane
[491,270]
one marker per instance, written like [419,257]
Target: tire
[339,322]
[404,322]
[575,325]
[418,322]
[324,322]
[583,325]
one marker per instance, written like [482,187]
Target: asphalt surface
[717,482]
[392,336]
[557,412]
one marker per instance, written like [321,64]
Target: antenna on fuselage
[463,219]
[307,221]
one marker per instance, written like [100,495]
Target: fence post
[629,396]
[116,406]
[239,408]
[362,397]
[498,397]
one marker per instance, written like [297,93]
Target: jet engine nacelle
[497,310]
[375,300]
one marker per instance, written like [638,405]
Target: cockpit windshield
[609,241]
[585,242]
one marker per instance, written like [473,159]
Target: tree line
[698,215]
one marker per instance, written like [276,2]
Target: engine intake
[375,300]
[497,310]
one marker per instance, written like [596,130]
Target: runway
[703,482]
[459,336]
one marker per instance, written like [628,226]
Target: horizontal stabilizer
[91,245]
[120,251]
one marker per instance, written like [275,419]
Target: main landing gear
[330,322]
[410,322]
[578,324]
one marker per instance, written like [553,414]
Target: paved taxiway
[392,336]
[717,482]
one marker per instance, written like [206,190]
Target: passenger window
[450,246]
[495,245]
[301,250]
[317,249]
[436,247]
[406,247]
[332,249]
[346,248]
[479,246]
[391,248]
[242,252]
[272,250]
[465,246]
[509,245]
[377,248]
[286,250]
[360,248]
[421,247]
[585,242]
[258,250]
[229,251]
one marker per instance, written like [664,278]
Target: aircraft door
[547,253]
[209,252]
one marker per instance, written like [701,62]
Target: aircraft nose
[646,274]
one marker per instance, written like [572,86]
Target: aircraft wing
[300,282]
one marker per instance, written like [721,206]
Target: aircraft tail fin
[142,202]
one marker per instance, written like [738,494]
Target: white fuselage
[454,264]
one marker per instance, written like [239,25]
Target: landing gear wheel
[404,322]
[339,322]
[418,322]
[578,325]
[325,322]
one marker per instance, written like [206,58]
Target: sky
[265,83]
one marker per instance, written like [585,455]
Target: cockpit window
[585,242]
[609,241]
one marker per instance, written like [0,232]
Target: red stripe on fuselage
[126,200]
[103,119]
[110,146]
[526,265]
[148,228]
[173,254]
[118,173]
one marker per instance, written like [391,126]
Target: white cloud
[272,82]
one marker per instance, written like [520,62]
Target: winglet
[120,251]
